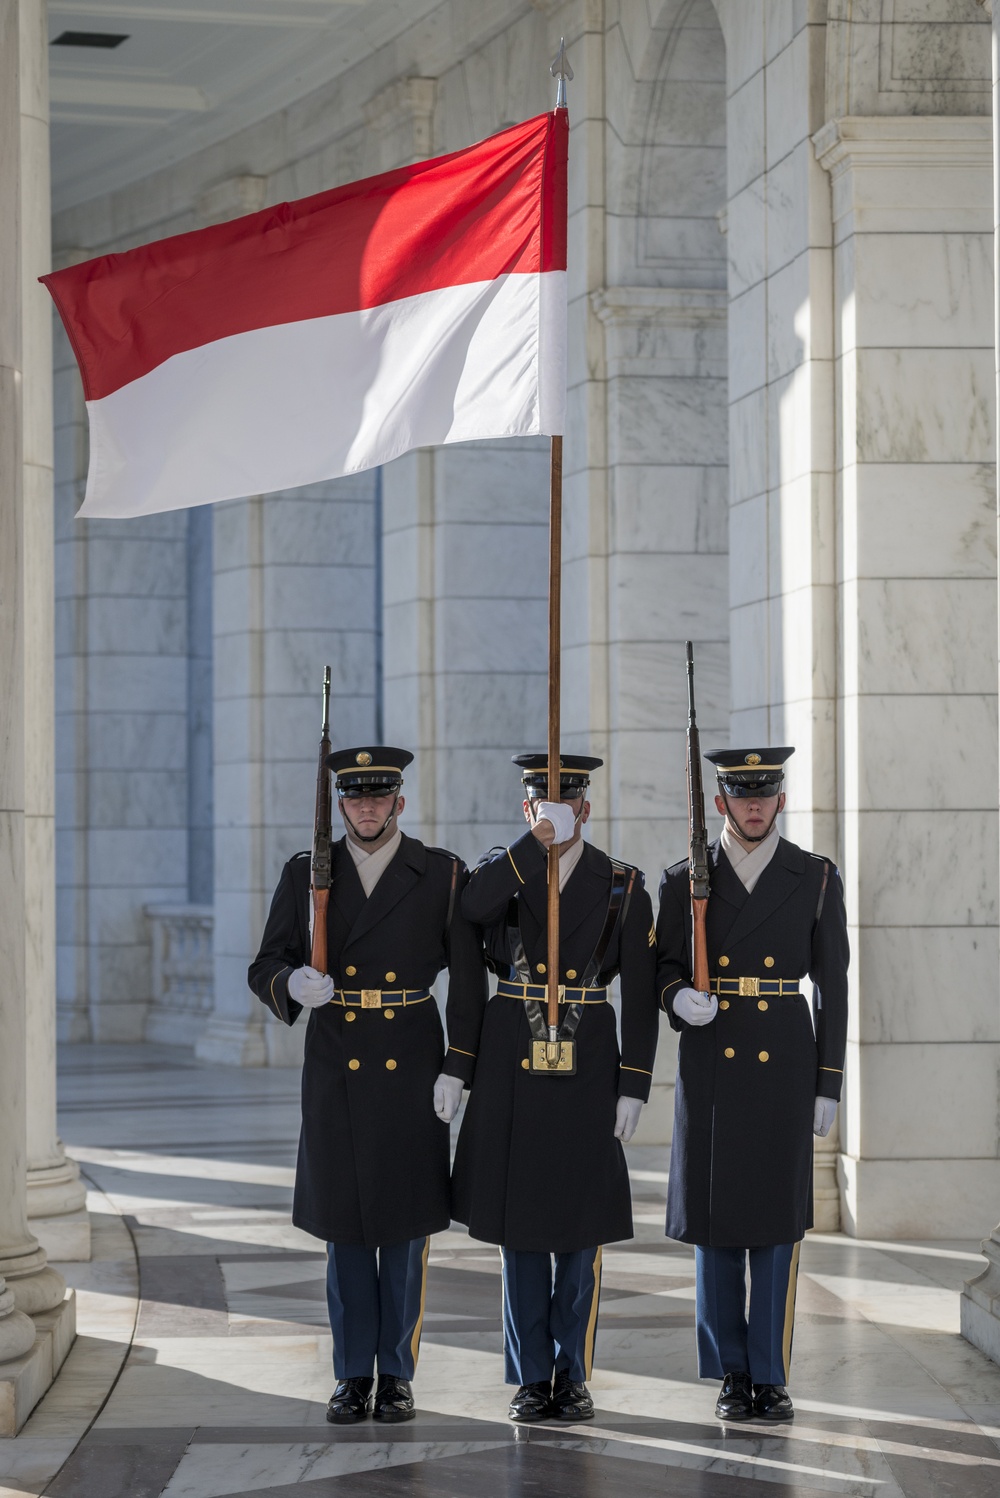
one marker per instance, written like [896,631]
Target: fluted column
[56,1196]
[980,1307]
[27,1286]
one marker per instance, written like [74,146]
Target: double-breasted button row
[355,1064]
[761,1055]
[768,962]
[350,1016]
[351,971]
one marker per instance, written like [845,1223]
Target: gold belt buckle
[371,998]
[749,988]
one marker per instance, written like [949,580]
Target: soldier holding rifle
[378,1086]
[539,1167]
[740,924]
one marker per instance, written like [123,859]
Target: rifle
[322,838]
[697,839]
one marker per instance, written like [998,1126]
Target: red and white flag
[322,337]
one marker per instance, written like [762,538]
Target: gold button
[571,972]
[390,1065]
[540,968]
[730,1052]
[525,1063]
[723,961]
[769,962]
[391,1013]
[724,1004]
[390,977]
[350,971]
[354,1065]
[761,1003]
[349,1017]
[762,1056]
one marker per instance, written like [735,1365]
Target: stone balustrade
[183,982]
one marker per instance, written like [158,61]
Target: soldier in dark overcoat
[379,1087]
[757,1075]
[539,1167]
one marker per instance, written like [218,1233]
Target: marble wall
[913,292]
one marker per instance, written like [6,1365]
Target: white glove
[626,1117]
[697,1008]
[310,988]
[561,816]
[824,1113]
[447,1096]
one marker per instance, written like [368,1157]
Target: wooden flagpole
[553,786]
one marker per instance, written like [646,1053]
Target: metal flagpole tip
[562,72]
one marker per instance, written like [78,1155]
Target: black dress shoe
[350,1401]
[771,1402]
[735,1400]
[571,1401]
[393,1400]
[531,1402]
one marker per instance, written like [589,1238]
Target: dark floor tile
[137,1467]
[529,1469]
[182,1297]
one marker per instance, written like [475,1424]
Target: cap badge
[753,759]
[364,758]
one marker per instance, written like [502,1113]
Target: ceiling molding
[105,93]
[204,15]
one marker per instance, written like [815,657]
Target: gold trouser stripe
[786,1339]
[588,1346]
[415,1341]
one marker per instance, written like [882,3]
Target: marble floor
[203,1362]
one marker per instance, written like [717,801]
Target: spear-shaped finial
[562,72]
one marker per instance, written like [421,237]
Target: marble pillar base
[826,1191]
[65,1239]
[285,1043]
[25,1379]
[980,1302]
[232,1042]
[916,1198]
[55,1190]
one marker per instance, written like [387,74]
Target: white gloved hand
[561,816]
[310,988]
[626,1117]
[697,1008]
[447,1096]
[824,1113]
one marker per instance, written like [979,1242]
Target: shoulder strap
[520,972]
[451,895]
[622,882]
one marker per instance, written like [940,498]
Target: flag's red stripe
[493,208]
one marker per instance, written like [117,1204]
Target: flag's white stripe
[307,401]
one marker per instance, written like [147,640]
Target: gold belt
[372,998]
[539,991]
[756,988]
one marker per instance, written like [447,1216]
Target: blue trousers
[376,1303]
[549,1323]
[730,1341]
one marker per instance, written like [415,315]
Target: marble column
[29,1354]
[56,1196]
[980,1308]
[917,703]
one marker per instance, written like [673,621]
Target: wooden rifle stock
[322,839]
[697,840]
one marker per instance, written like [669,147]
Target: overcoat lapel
[780,879]
[586,887]
[348,891]
[399,878]
[725,881]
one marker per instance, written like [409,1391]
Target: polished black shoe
[735,1400]
[771,1402]
[350,1401]
[571,1401]
[393,1400]
[531,1402]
